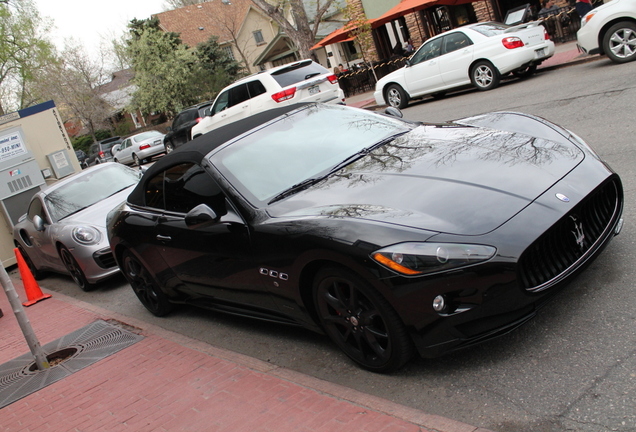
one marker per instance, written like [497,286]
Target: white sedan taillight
[512,42]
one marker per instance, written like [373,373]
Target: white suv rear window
[298,72]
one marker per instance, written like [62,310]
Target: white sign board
[11,145]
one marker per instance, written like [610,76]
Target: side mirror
[38,223]
[207,112]
[115,149]
[393,111]
[201,214]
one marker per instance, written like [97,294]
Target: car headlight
[415,259]
[86,235]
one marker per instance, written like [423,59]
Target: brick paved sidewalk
[168,382]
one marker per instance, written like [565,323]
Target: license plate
[540,53]
[314,89]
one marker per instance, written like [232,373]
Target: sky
[94,21]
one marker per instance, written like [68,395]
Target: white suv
[610,29]
[301,81]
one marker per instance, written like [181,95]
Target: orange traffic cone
[31,287]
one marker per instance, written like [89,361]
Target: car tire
[137,161]
[360,321]
[169,147]
[74,269]
[144,285]
[484,75]
[619,42]
[37,274]
[396,96]
[525,72]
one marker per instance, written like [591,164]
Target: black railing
[561,24]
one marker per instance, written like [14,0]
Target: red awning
[406,7]
[403,8]
[340,35]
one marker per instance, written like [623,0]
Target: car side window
[428,51]
[182,187]
[256,88]
[221,102]
[238,94]
[36,208]
[456,41]
[179,120]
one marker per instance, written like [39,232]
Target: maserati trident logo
[579,234]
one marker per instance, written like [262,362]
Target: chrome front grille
[571,239]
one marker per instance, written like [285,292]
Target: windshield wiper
[350,159]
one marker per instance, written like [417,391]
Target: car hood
[452,178]
[95,215]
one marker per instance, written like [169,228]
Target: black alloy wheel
[169,147]
[484,75]
[37,274]
[74,269]
[360,321]
[144,286]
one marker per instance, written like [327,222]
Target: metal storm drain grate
[20,377]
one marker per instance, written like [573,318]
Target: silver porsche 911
[64,229]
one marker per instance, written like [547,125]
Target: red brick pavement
[167,382]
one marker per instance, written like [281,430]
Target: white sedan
[610,29]
[478,53]
[139,148]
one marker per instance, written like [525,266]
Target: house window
[258,37]
[229,52]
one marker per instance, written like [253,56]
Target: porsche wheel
[619,43]
[74,269]
[360,321]
[396,96]
[144,286]
[484,76]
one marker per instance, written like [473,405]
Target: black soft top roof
[195,150]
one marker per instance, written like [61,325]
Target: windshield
[89,188]
[300,146]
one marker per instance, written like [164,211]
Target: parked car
[81,157]
[140,148]
[610,29]
[101,151]
[64,229]
[179,133]
[385,234]
[301,81]
[478,54]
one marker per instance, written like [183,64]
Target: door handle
[163,238]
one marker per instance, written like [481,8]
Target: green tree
[24,51]
[162,66]
[169,75]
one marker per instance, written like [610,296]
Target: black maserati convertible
[389,236]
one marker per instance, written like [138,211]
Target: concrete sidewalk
[168,382]
[565,54]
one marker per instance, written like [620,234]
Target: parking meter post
[34,345]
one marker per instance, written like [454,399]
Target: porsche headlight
[86,235]
[415,259]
